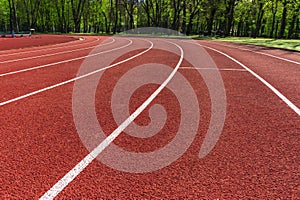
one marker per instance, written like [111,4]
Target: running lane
[285,54]
[255,157]
[31,148]
[48,54]
[50,49]
[33,77]
[35,41]
[282,74]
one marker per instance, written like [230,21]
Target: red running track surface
[34,41]
[256,156]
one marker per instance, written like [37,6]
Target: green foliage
[257,18]
[285,44]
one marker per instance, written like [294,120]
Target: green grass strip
[277,43]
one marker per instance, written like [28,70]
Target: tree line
[255,18]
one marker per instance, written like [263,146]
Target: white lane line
[73,79]
[53,54]
[272,88]
[266,54]
[65,61]
[39,48]
[218,69]
[46,48]
[73,173]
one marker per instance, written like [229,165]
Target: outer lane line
[73,173]
[272,88]
[76,78]
[65,61]
[54,54]
[44,48]
[40,48]
[266,54]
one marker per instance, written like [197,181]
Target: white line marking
[65,61]
[54,54]
[273,89]
[39,48]
[73,173]
[266,54]
[218,69]
[46,48]
[73,79]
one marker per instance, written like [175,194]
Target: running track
[256,157]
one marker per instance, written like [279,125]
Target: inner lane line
[54,54]
[272,88]
[73,173]
[46,48]
[65,61]
[76,78]
[262,53]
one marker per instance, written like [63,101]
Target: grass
[277,43]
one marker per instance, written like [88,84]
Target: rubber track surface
[256,157]
[33,41]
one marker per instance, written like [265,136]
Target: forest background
[241,18]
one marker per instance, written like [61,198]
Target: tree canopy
[255,18]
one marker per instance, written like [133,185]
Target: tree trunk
[283,20]
[297,29]
[229,14]
[34,12]
[176,14]
[293,23]
[13,16]
[190,24]
[239,29]
[77,10]
[184,18]
[147,9]
[259,20]
[11,23]
[116,17]
[211,20]
[274,11]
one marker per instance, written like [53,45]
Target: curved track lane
[282,74]
[19,68]
[256,157]
[47,51]
[36,41]
[48,76]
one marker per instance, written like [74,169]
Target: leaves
[274,18]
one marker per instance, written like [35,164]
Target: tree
[14,26]
[274,12]
[130,6]
[194,9]
[293,31]
[77,10]
[259,19]
[283,19]
[176,6]
[227,17]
